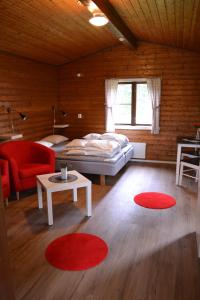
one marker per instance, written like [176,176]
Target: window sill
[129,127]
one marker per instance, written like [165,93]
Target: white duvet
[103,148]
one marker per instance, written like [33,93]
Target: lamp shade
[22,116]
[63,113]
[98,19]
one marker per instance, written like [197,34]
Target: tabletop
[187,140]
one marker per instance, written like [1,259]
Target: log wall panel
[180,101]
[31,88]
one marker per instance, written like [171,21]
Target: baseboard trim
[154,161]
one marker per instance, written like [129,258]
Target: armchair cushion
[29,170]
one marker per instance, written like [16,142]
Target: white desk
[181,145]
[50,187]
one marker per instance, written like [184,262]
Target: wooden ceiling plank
[179,12]
[145,8]
[129,14]
[136,6]
[108,9]
[170,9]
[147,31]
[159,26]
[161,7]
[135,9]
[195,34]
[188,13]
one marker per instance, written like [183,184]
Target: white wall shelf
[61,126]
[11,136]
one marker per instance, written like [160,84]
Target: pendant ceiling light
[98,19]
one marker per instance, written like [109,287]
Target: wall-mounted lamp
[10,112]
[64,114]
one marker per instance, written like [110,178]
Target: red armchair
[5,179]
[26,160]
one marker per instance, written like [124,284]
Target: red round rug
[76,251]
[154,200]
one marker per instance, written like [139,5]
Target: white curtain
[154,90]
[111,95]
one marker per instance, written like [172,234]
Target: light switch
[80,116]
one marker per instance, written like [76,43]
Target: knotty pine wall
[180,100]
[29,87]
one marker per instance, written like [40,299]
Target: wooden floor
[152,253]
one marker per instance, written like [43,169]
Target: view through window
[133,104]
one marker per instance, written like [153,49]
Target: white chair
[190,154]
[190,169]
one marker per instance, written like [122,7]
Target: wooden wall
[180,101]
[29,87]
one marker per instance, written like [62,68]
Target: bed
[94,164]
[91,164]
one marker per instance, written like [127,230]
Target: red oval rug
[76,251]
[154,200]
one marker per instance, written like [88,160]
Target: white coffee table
[50,187]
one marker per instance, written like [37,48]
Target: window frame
[133,104]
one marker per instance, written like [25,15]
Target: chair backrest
[19,150]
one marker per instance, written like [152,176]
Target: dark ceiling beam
[121,30]
[108,9]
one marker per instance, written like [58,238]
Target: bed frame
[101,168]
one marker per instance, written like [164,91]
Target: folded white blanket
[76,143]
[92,147]
[106,145]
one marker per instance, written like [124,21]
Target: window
[133,105]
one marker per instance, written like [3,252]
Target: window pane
[143,105]
[122,108]
[122,114]
[124,93]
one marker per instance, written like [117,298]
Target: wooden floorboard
[152,253]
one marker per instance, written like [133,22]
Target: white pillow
[120,138]
[92,136]
[44,143]
[55,139]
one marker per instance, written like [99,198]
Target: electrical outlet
[80,116]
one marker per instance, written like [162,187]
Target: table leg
[89,200]
[198,218]
[49,208]
[75,195]
[39,192]
[178,163]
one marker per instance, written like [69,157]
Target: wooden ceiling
[58,31]
[169,22]
[52,31]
